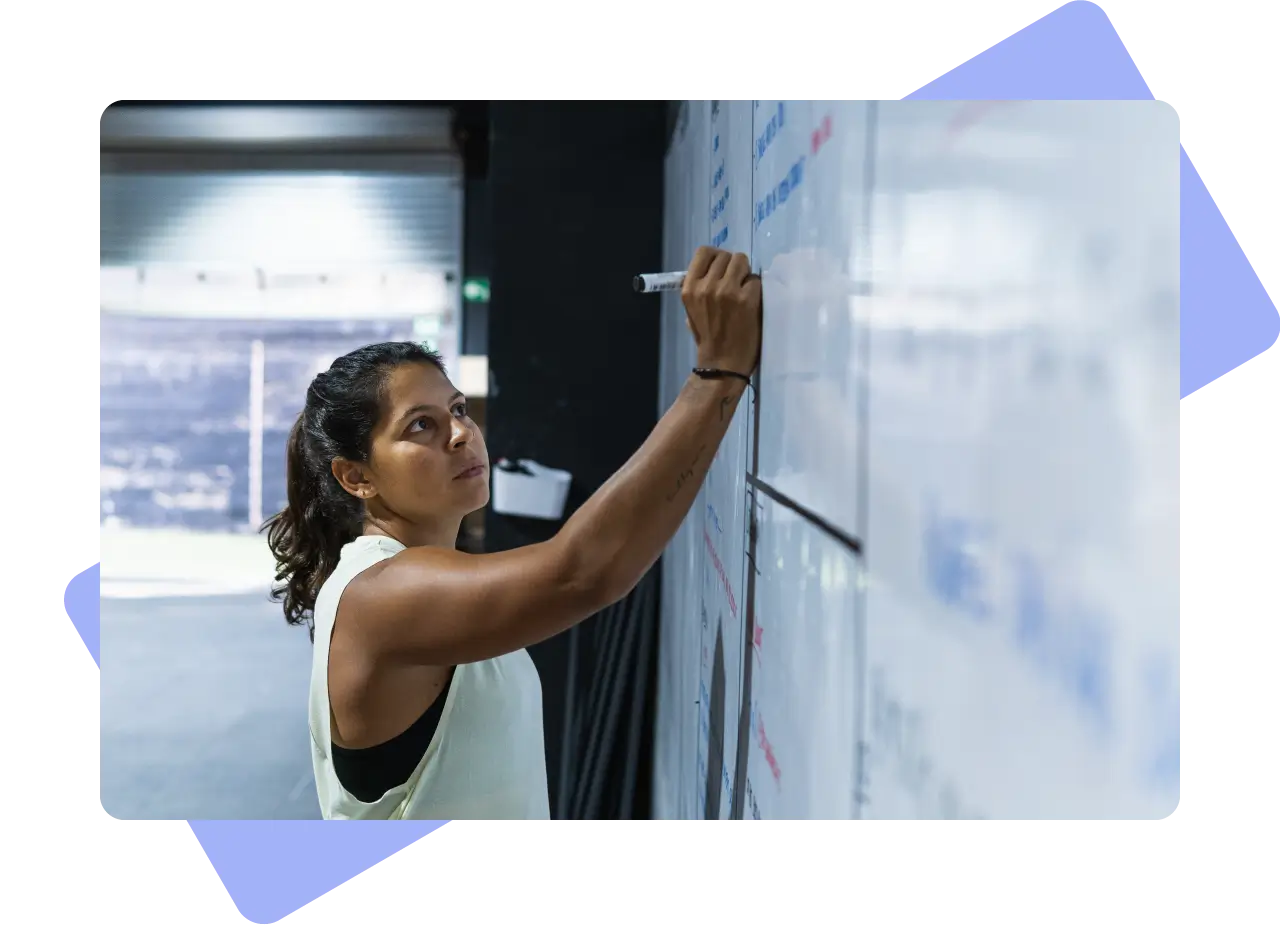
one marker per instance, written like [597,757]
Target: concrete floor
[204,710]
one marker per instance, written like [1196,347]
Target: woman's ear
[353,478]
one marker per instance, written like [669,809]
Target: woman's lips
[473,472]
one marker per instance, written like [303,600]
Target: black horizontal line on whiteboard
[850,542]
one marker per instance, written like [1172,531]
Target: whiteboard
[960,598]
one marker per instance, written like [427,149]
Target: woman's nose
[458,435]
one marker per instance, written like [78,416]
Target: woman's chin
[482,498]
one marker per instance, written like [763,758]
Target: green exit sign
[476,290]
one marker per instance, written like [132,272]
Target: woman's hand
[722,303]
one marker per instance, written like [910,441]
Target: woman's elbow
[592,579]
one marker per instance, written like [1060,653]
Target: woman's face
[428,463]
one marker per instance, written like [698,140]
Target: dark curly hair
[321,517]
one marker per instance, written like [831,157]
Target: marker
[658,282]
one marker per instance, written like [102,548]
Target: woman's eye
[460,410]
[425,422]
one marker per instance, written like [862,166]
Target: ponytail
[307,537]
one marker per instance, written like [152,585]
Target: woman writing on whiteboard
[424,703]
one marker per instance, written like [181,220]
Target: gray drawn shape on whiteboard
[715,739]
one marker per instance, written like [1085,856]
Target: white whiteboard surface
[965,586]
[805,692]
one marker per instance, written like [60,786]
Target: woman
[424,703]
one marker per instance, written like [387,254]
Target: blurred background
[244,246]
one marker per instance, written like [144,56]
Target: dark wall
[471,130]
[575,192]
[477,261]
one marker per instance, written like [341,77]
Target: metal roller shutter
[376,211]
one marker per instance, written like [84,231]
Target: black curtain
[607,743]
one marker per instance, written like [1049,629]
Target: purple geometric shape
[82,605]
[271,869]
[1073,53]
[1227,317]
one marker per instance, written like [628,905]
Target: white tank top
[486,758]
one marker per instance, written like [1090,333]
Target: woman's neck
[444,535]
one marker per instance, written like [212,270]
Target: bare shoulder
[436,606]
[379,590]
